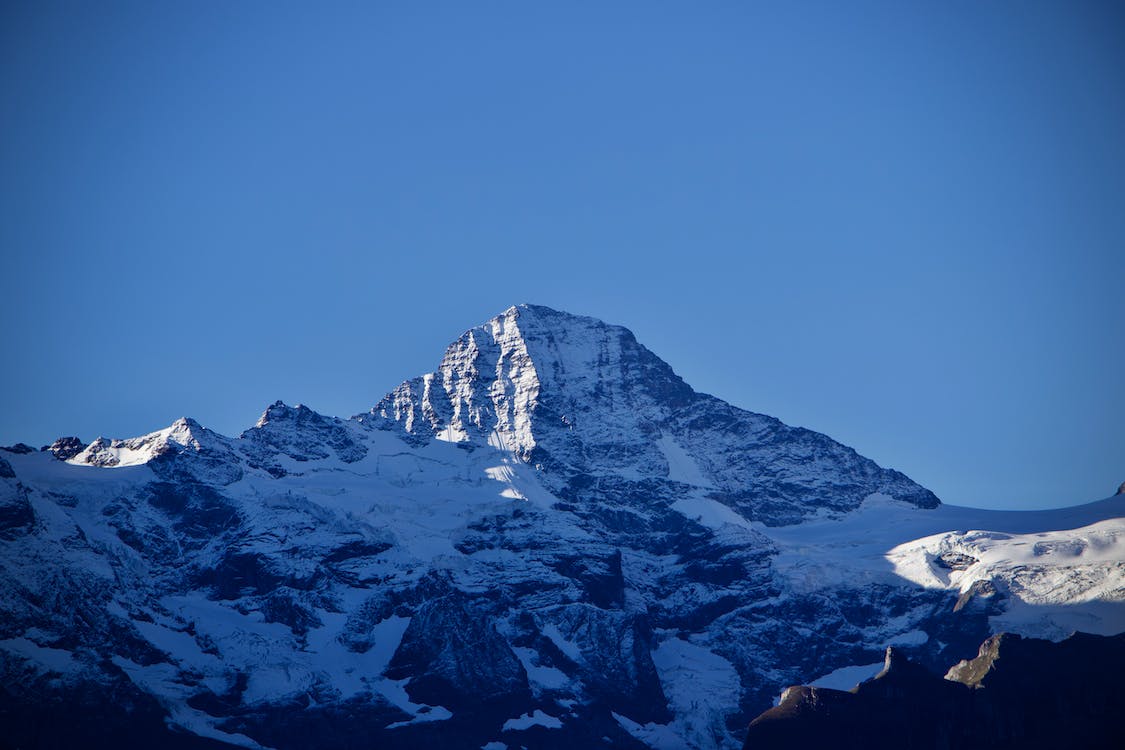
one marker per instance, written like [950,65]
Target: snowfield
[550,536]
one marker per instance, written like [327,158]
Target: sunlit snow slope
[549,541]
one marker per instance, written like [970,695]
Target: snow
[1053,553]
[138,450]
[886,541]
[1056,622]
[352,673]
[176,643]
[1063,569]
[656,736]
[163,681]
[681,466]
[698,684]
[45,471]
[846,678]
[275,665]
[909,638]
[1045,573]
[419,498]
[537,719]
[568,647]
[538,676]
[48,659]
[711,513]
[396,691]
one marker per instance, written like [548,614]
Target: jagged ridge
[1017,693]
[549,541]
[576,397]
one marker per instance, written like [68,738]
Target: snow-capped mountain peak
[301,434]
[575,396]
[549,540]
[184,433]
[279,411]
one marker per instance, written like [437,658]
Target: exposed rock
[1017,693]
[549,541]
[301,434]
[65,448]
[981,592]
[955,561]
[578,397]
[16,514]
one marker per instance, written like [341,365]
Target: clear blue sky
[902,224]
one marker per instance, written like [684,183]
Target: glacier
[551,540]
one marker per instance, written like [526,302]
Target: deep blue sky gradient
[902,224]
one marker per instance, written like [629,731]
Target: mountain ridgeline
[549,541]
[1016,693]
[581,400]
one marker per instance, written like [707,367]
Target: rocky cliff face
[1017,693]
[582,400]
[549,541]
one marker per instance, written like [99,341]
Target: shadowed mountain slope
[549,541]
[1017,693]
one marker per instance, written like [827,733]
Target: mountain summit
[577,397]
[549,541]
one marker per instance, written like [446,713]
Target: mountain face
[582,401]
[550,541]
[1017,693]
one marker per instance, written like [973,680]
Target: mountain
[551,541]
[1017,693]
[584,403]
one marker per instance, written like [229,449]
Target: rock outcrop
[549,541]
[1017,693]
